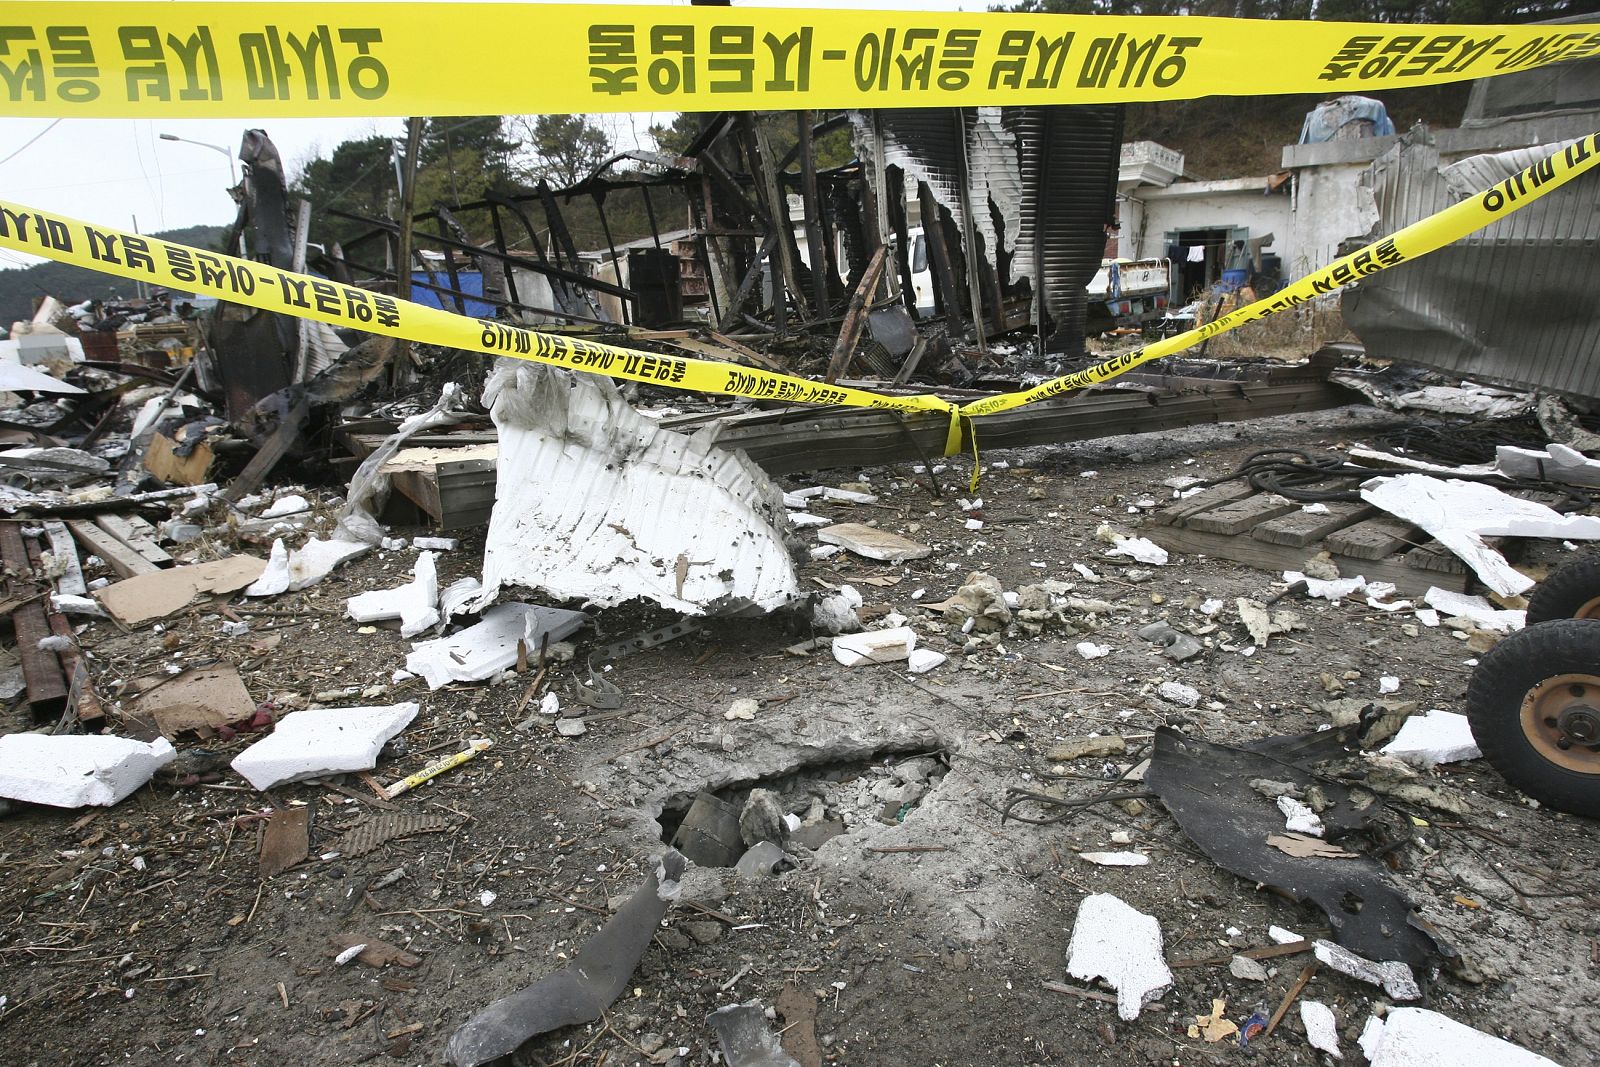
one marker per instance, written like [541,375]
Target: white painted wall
[1330,206]
[1148,215]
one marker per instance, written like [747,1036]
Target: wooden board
[1241,515]
[118,556]
[162,460]
[1376,538]
[1204,500]
[41,668]
[65,553]
[138,535]
[1300,528]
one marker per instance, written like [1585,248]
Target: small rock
[571,727]
[1177,693]
[704,932]
[743,708]
[1247,968]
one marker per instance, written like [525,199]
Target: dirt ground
[142,934]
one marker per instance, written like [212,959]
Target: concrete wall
[1148,214]
[1329,206]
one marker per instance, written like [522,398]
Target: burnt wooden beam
[811,205]
[850,332]
[944,274]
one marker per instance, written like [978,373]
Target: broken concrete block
[607,523]
[1099,745]
[75,770]
[1245,968]
[1322,1029]
[1394,976]
[873,543]
[1177,693]
[1416,1037]
[982,600]
[1437,737]
[489,647]
[875,646]
[321,741]
[415,604]
[1122,945]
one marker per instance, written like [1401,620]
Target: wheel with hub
[1534,706]
[1571,591]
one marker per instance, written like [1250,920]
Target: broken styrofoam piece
[1283,936]
[293,504]
[608,522]
[1322,1029]
[415,604]
[489,647]
[875,646]
[1141,549]
[923,660]
[1122,945]
[435,544]
[804,519]
[836,612]
[1333,589]
[456,597]
[305,566]
[321,741]
[69,604]
[1437,737]
[1115,859]
[76,770]
[1477,609]
[1177,693]
[1090,650]
[1299,818]
[1417,1037]
[873,543]
[1461,514]
[1393,975]
[1558,463]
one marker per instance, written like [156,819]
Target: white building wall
[1330,207]
[1148,215]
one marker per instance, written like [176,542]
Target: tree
[563,149]
[358,177]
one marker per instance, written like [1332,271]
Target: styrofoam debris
[457,597]
[435,544]
[307,565]
[1393,975]
[415,604]
[824,551]
[1140,548]
[1322,1029]
[319,741]
[75,770]
[1122,945]
[873,543]
[1388,684]
[349,954]
[923,660]
[974,524]
[286,505]
[392,544]
[804,519]
[1085,572]
[836,612]
[550,704]
[1178,693]
[1329,588]
[1437,737]
[1115,859]
[1484,615]
[1417,1037]
[1090,650]
[69,604]
[1299,818]
[1426,616]
[1461,514]
[875,646]
[1282,936]
[1559,463]
[489,647]
[1211,607]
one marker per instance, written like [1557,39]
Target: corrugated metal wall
[1517,303]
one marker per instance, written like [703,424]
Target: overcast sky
[116,170]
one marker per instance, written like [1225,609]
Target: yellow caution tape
[280,60]
[186,269]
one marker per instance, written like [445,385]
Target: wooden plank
[1278,558]
[1435,558]
[81,700]
[41,668]
[65,553]
[137,534]
[1241,515]
[1376,538]
[1214,496]
[282,439]
[1301,528]
[118,556]
[162,460]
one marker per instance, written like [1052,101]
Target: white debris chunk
[1299,818]
[550,704]
[286,505]
[1122,945]
[1247,969]
[319,741]
[456,597]
[1140,548]
[1116,859]
[484,650]
[804,519]
[435,544]
[1437,737]
[836,612]
[69,604]
[1090,650]
[875,646]
[1322,1029]
[1388,684]
[1282,936]
[1371,1037]
[825,551]
[1427,616]
[415,604]
[1560,463]
[873,543]
[1483,614]
[1328,588]
[1394,976]
[1416,1037]
[1461,514]
[1178,693]
[307,565]
[75,770]
[609,520]
[923,660]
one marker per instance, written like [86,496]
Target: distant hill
[72,285]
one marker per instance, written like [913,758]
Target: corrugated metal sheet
[1517,303]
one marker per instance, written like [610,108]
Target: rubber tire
[1494,709]
[1567,589]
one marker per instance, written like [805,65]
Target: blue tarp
[468,281]
[1325,120]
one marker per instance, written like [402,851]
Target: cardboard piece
[873,543]
[197,700]
[161,593]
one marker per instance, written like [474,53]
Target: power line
[30,141]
